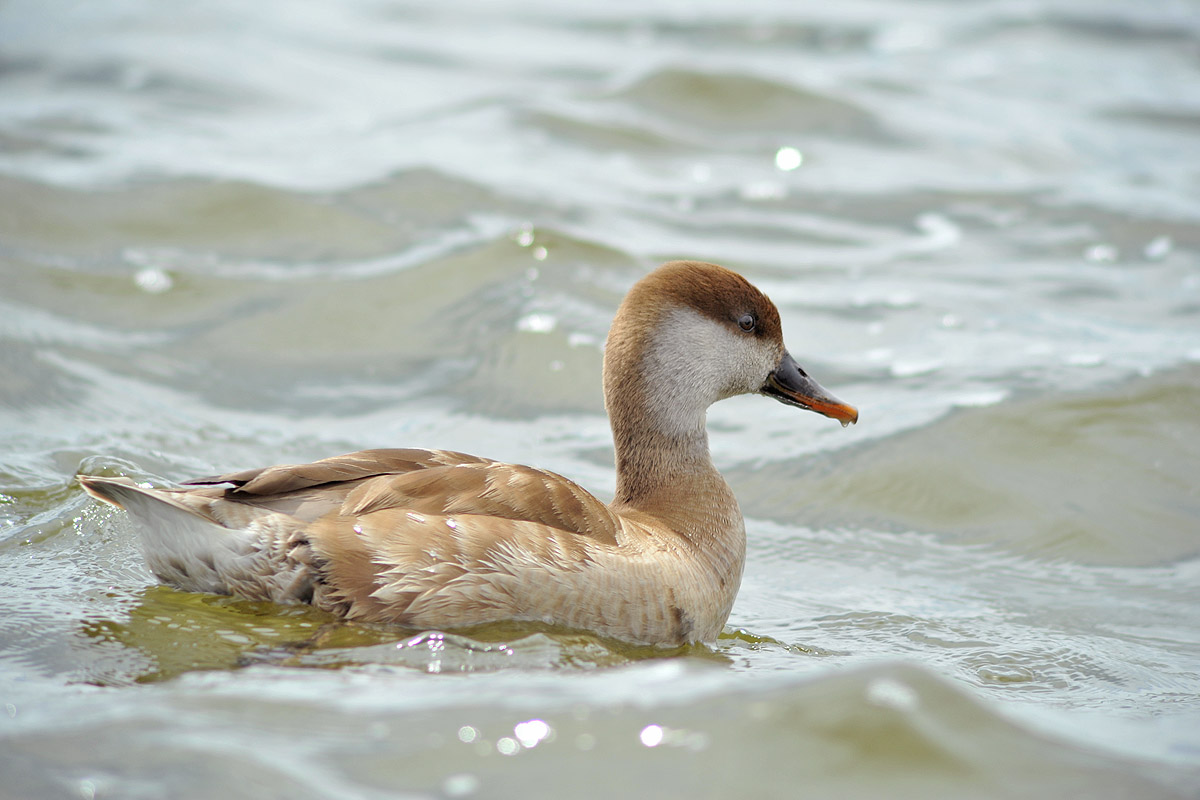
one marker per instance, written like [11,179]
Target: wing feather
[494,489]
[400,566]
[286,478]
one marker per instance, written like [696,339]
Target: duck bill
[791,385]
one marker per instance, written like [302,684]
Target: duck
[441,540]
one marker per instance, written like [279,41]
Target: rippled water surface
[240,234]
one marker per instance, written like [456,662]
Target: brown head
[687,335]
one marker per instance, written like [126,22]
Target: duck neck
[657,399]
[668,476]
[661,443]
[657,467]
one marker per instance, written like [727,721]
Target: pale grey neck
[659,416]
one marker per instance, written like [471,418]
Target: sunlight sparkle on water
[892,694]
[537,323]
[524,236]
[531,732]
[154,281]
[460,785]
[1102,253]
[788,158]
[651,735]
[1158,248]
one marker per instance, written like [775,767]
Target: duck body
[438,539]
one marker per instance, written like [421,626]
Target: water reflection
[178,632]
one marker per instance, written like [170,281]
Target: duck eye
[746,322]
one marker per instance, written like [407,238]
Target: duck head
[690,334]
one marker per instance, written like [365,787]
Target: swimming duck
[433,539]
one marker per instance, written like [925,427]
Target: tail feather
[183,546]
[123,493]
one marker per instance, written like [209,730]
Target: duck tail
[182,546]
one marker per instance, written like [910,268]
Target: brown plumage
[436,539]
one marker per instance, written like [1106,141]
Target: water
[238,235]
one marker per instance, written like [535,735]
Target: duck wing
[445,539]
[438,482]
